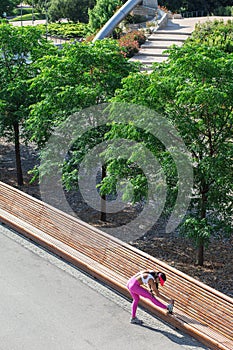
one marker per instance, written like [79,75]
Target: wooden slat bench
[200,311]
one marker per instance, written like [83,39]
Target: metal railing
[198,13]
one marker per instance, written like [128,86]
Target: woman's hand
[152,293]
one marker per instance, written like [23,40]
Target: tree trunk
[200,254]
[17,155]
[204,198]
[103,216]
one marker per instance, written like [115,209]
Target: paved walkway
[47,304]
[28,23]
[188,24]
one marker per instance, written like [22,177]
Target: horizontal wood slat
[200,310]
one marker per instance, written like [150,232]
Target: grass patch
[28,17]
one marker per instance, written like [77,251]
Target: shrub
[129,44]
[68,30]
[139,36]
[215,33]
[223,11]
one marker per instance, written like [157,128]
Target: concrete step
[153,52]
[175,33]
[170,32]
[160,44]
[148,60]
[158,37]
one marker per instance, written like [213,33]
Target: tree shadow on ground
[181,339]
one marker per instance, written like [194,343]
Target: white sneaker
[135,320]
[170,309]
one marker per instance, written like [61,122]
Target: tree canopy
[41,86]
[194,91]
[200,5]
[102,12]
[6,7]
[78,76]
[17,58]
[74,10]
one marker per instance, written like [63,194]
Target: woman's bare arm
[154,289]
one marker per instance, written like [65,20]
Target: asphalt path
[46,303]
[28,23]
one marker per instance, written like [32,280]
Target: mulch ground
[177,251]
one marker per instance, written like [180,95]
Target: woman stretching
[152,279]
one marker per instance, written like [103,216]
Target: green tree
[6,6]
[74,10]
[20,48]
[214,33]
[40,5]
[78,76]
[200,5]
[102,12]
[194,90]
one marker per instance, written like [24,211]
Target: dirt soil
[177,251]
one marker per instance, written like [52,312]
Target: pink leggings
[136,291]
